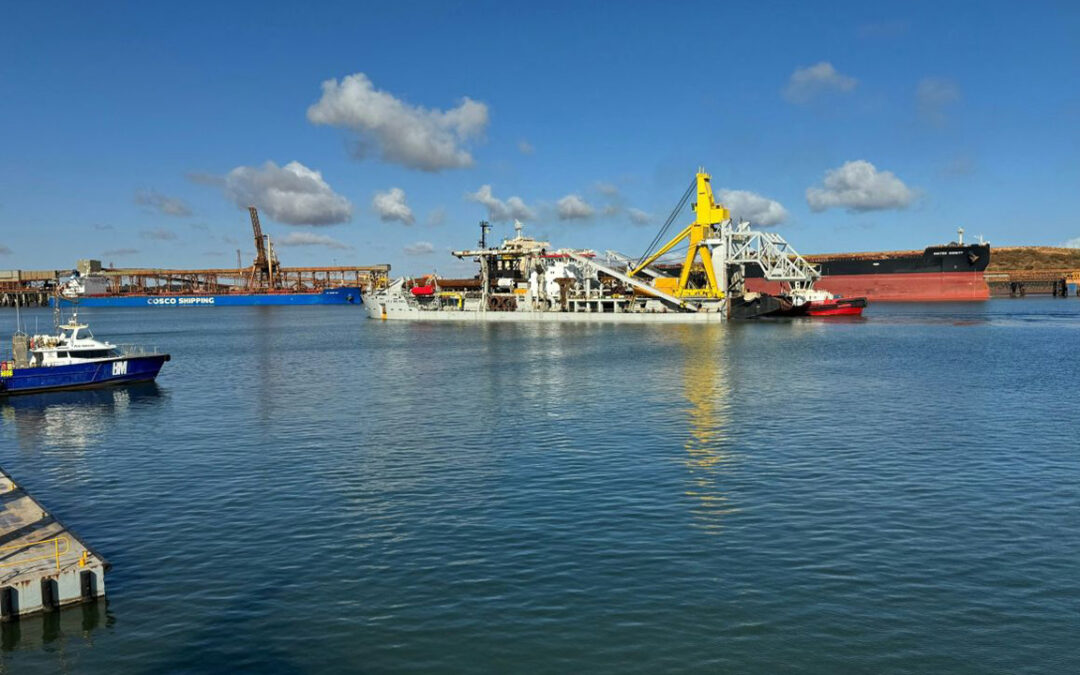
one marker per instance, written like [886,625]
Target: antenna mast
[18,317]
[484,227]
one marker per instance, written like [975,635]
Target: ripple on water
[304,489]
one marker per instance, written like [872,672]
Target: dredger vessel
[524,279]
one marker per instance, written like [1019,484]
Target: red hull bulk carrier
[939,273]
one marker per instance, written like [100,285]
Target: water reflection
[56,630]
[707,388]
[267,365]
[73,419]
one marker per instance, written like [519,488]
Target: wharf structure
[31,288]
[264,281]
[43,564]
[27,288]
[1034,270]
[163,281]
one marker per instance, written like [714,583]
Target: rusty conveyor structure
[28,288]
[230,280]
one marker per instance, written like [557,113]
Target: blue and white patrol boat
[73,359]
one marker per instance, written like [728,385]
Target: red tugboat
[814,302]
[837,307]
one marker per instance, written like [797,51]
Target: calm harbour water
[305,490]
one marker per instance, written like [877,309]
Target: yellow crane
[708,214]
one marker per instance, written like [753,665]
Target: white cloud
[419,248]
[158,234]
[859,186]
[4,250]
[292,194]
[118,252]
[573,207]
[391,205]
[638,217]
[525,147]
[498,210]
[807,83]
[310,239]
[616,205]
[169,206]
[933,96]
[753,207]
[413,136]
[1072,243]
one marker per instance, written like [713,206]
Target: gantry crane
[265,269]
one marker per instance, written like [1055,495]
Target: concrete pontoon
[43,564]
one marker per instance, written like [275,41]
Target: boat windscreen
[93,353]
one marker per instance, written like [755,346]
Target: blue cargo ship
[265,282]
[343,295]
[73,359]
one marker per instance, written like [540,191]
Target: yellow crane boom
[708,213]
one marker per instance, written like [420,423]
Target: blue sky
[135,133]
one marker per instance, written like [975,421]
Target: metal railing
[137,350]
[57,551]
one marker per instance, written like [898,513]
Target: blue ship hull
[346,295]
[109,372]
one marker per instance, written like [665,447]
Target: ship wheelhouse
[74,344]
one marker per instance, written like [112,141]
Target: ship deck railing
[138,350]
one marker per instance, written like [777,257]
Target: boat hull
[837,307]
[345,295]
[394,306]
[909,287]
[552,317]
[826,308]
[104,373]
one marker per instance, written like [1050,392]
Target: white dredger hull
[554,317]
[394,309]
